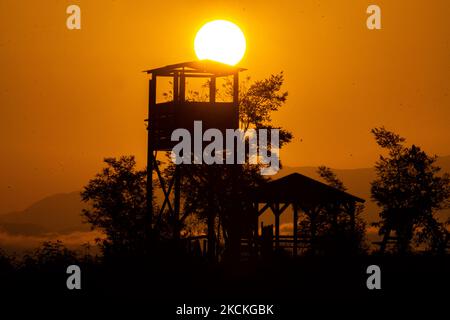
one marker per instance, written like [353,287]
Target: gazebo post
[256,221]
[277,224]
[295,221]
[334,212]
[352,215]
[255,229]
[312,218]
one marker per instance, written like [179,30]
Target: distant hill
[61,213]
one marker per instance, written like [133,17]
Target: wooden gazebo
[305,195]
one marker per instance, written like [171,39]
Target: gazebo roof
[198,67]
[300,189]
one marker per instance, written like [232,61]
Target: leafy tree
[117,197]
[335,232]
[6,262]
[410,190]
[258,101]
[331,178]
[51,255]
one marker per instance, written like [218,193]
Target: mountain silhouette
[59,213]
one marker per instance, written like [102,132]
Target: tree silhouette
[50,256]
[6,262]
[258,101]
[335,233]
[117,197]
[410,190]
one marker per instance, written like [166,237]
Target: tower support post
[150,156]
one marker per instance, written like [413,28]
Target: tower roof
[199,67]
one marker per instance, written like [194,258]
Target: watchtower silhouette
[181,112]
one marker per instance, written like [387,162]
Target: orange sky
[70,98]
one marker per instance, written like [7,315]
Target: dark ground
[317,284]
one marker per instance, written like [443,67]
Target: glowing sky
[70,98]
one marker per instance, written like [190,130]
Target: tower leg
[149,217]
[148,228]
[211,236]
[295,228]
[177,226]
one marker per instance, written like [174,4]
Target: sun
[220,41]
